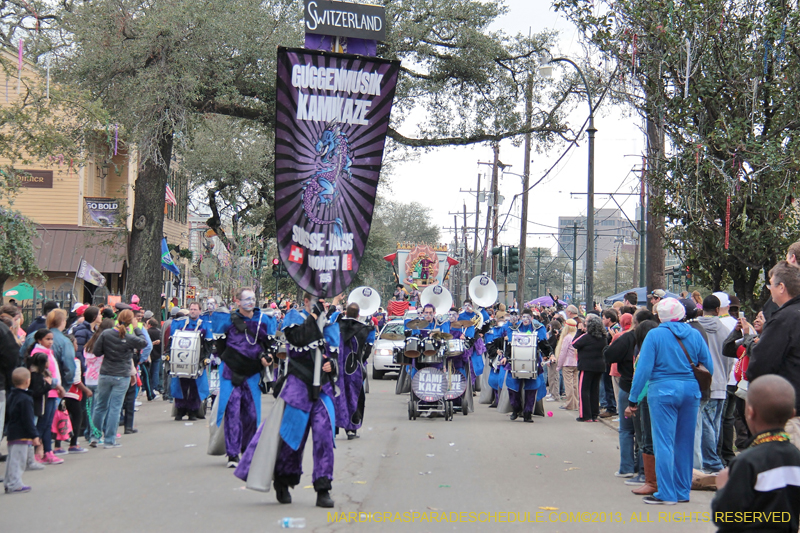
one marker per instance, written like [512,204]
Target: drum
[434,359]
[429,384]
[430,346]
[456,386]
[413,347]
[523,355]
[456,347]
[185,354]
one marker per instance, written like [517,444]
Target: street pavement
[162,480]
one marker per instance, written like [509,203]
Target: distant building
[609,226]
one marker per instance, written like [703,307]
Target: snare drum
[523,355]
[430,346]
[185,354]
[433,359]
[413,347]
[456,347]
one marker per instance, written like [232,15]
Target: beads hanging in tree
[727,221]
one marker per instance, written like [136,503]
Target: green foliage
[17,253]
[730,121]
[604,278]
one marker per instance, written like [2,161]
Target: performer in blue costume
[495,338]
[478,346]
[535,389]
[429,315]
[188,393]
[356,340]
[245,350]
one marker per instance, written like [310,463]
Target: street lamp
[546,70]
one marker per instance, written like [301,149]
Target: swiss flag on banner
[296,254]
[347,262]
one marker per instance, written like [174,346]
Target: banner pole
[75,279]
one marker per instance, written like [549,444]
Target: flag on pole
[89,273]
[166,260]
[170,199]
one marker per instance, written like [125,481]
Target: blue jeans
[673,412]
[706,439]
[607,400]
[110,395]
[155,374]
[626,437]
[45,423]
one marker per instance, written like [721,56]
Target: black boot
[527,417]
[324,499]
[180,414]
[282,492]
[323,487]
[514,415]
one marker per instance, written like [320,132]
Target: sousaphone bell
[483,291]
[367,299]
[437,296]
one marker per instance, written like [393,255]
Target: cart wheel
[414,409]
[464,406]
[410,411]
[448,410]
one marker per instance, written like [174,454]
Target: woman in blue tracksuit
[673,396]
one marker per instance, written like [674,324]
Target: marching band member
[535,388]
[246,349]
[478,346]
[307,409]
[495,339]
[189,393]
[429,315]
[354,348]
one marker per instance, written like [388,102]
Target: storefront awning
[60,248]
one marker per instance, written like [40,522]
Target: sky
[434,179]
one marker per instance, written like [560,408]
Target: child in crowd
[43,345]
[765,477]
[22,432]
[72,402]
[40,386]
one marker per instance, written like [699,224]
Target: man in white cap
[724,308]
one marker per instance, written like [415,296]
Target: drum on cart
[413,347]
[456,347]
[185,354]
[523,355]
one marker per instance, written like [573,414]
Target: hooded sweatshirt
[717,332]
[662,359]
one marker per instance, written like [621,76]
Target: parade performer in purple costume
[535,389]
[188,393]
[356,339]
[307,408]
[245,351]
[478,347]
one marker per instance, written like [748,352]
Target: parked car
[383,349]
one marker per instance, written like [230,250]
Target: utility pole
[454,278]
[642,242]
[574,259]
[616,271]
[538,270]
[495,198]
[477,217]
[526,175]
[464,269]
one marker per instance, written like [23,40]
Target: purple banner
[332,114]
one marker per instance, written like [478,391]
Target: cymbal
[461,324]
[392,337]
[439,335]
[418,323]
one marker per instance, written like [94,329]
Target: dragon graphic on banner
[332,115]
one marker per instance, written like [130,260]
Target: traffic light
[513,259]
[498,250]
[276,268]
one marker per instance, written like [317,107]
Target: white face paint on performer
[526,320]
[453,316]
[211,305]
[428,314]
[467,307]
[248,301]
